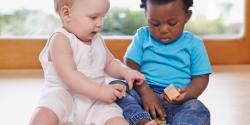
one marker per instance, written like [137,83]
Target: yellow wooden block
[171,92]
[124,91]
[161,122]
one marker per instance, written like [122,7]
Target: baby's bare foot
[152,122]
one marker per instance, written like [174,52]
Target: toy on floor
[161,122]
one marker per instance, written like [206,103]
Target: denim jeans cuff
[117,81]
[134,119]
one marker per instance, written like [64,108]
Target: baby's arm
[117,69]
[61,55]
[151,102]
[198,85]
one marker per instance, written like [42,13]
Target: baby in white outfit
[75,60]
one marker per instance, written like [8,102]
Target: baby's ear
[188,15]
[65,13]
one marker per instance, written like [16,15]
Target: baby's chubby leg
[117,121]
[54,107]
[44,116]
[152,122]
[146,122]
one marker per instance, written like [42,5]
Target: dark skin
[151,102]
[166,23]
[194,90]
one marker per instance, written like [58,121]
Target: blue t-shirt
[175,62]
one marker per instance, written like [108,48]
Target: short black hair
[187,3]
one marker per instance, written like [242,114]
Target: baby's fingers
[139,82]
[179,99]
[140,77]
[120,90]
[130,84]
[118,87]
[166,98]
[118,94]
[182,90]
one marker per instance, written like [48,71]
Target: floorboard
[227,95]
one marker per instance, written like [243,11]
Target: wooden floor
[227,96]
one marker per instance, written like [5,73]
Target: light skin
[84,18]
[166,23]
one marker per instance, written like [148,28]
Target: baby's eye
[93,17]
[172,23]
[155,23]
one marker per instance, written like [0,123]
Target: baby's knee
[196,105]
[42,114]
[196,111]
[116,121]
[58,100]
[44,111]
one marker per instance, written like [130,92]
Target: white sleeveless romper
[70,107]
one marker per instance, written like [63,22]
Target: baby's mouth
[165,39]
[93,33]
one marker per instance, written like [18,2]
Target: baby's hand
[132,76]
[182,97]
[120,90]
[109,93]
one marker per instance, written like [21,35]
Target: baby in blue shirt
[166,55]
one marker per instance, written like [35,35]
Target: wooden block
[171,92]
[160,122]
[124,91]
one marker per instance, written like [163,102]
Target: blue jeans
[191,112]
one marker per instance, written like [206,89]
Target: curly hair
[187,3]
